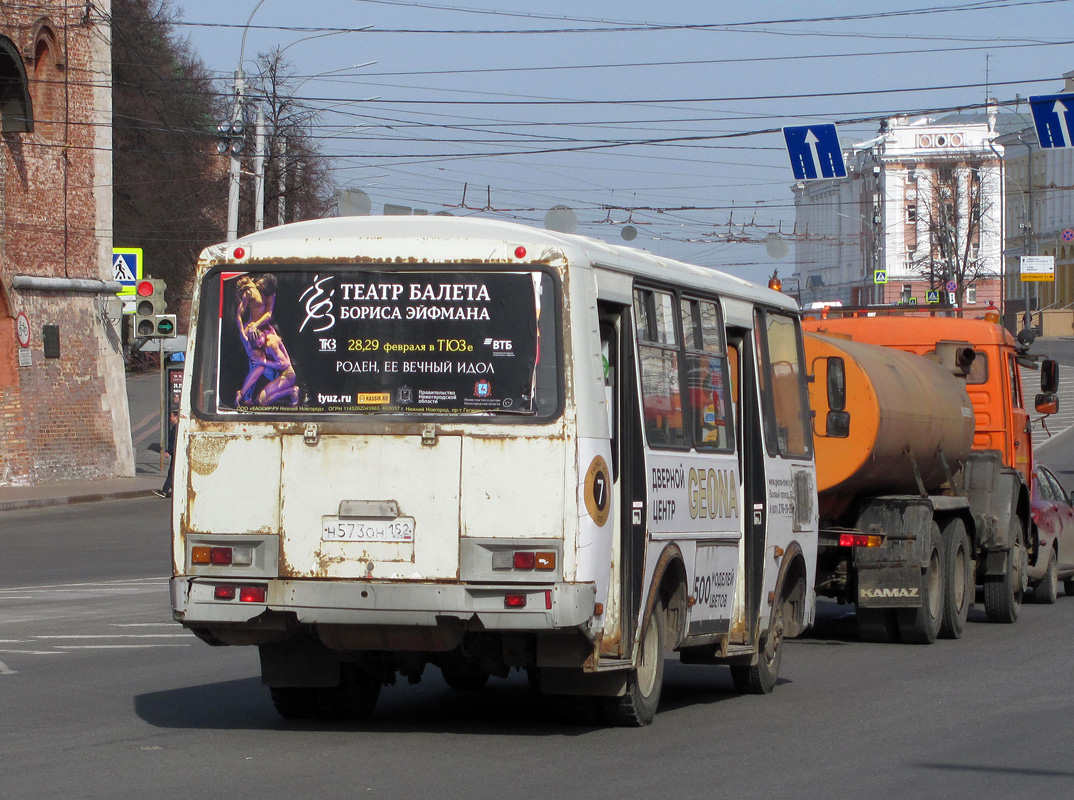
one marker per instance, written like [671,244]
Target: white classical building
[918,218]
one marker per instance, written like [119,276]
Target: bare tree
[949,210]
[298,182]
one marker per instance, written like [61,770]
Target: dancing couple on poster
[265,350]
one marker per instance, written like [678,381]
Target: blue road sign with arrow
[1053,117]
[815,152]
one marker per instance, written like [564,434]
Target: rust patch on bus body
[204,452]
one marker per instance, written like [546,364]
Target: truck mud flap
[889,587]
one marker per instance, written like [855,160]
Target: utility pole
[259,170]
[236,165]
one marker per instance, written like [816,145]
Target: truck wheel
[638,705]
[877,625]
[958,579]
[1047,591]
[1003,593]
[760,678]
[921,625]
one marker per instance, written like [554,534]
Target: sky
[662,116]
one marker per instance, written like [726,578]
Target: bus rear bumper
[508,608]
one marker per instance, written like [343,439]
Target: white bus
[482,446]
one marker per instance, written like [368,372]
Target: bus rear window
[346,340]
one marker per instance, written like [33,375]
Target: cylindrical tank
[904,410]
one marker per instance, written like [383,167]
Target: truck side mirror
[837,422]
[1046,403]
[837,383]
[1049,376]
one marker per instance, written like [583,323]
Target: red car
[1053,525]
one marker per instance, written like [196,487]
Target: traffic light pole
[163,407]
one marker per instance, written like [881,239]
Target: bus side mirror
[837,422]
[1049,376]
[1046,403]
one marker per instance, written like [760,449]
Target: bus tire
[469,681]
[877,625]
[921,625]
[638,705]
[1047,590]
[354,698]
[1003,593]
[760,678]
[958,579]
[295,702]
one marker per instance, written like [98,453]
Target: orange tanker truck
[924,458]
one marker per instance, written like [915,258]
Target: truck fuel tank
[898,410]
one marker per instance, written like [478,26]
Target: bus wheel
[295,702]
[921,625]
[638,705]
[1003,593]
[355,697]
[876,625]
[467,680]
[760,678]
[958,579]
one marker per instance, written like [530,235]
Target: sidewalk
[14,498]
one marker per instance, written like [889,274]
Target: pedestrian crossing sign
[933,296]
[127,268]
[880,276]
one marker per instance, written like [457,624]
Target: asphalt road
[102,696]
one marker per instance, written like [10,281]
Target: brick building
[63,405]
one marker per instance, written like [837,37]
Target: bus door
[628,480]
[745,400]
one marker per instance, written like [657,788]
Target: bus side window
[658,356]
[787,421]
[707,379]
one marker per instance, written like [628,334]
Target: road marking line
[34,652]
[115,636]
[5,670]
[114,646]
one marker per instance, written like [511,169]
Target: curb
[62,500]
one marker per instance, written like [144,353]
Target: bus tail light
[860,540]
[252,594]
[514,601]
[524,560]
[246,594]
[222,556]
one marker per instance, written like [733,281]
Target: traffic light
[150,321]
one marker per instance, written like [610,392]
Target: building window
[971,294]
[911,213]
[907,293]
